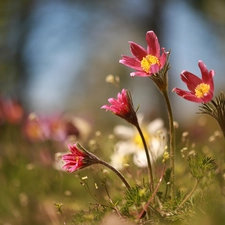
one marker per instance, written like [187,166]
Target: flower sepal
[216,109]
[161,77]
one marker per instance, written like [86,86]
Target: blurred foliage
[30,186]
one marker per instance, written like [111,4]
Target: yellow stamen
[147,61]
[202,90]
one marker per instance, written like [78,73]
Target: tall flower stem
[147,156]
[171,127]
[120,175]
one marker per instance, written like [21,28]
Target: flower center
[77,159]
[202,90]
[138,141]
[147,61]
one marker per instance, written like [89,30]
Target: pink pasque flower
[122,106]
[201,90]
[146,62]
[78,159]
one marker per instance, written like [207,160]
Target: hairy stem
[153,194]
[190,194]
[171,127]
[120,175]
[147,156]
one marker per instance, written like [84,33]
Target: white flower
[131,144]
[58,163]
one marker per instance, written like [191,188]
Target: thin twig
[153,194]
[190,194]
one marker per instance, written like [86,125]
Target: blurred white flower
[58,162]
[131,144]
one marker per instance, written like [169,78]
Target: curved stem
[171,127]
[120,175]
[153,194]
[190,194]
[147,156]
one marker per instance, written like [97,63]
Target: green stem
[147,156]
[95,160]
[171,127]
[120,175]
[190,194]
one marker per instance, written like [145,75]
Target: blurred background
[56,54]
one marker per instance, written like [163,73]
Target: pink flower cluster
[53,127]
[146,63]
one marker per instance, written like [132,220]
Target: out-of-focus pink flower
[34,128]
[56,126]
[11,111]
[50,127]
[122,106]
[145,62]
[77,159]
[200,90]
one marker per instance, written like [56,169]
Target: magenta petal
[204,71]
[154,68]
[74,150]
[208,97]
[211,82]
[181,92]
[139,74]
[190,80]
[137,51]
[211,74]
[187,95]
[107,107]
[70,168]
[153,47]
[112,101]
[130,62]
[206,75]
[193,98]
[68,157]
[163,59]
